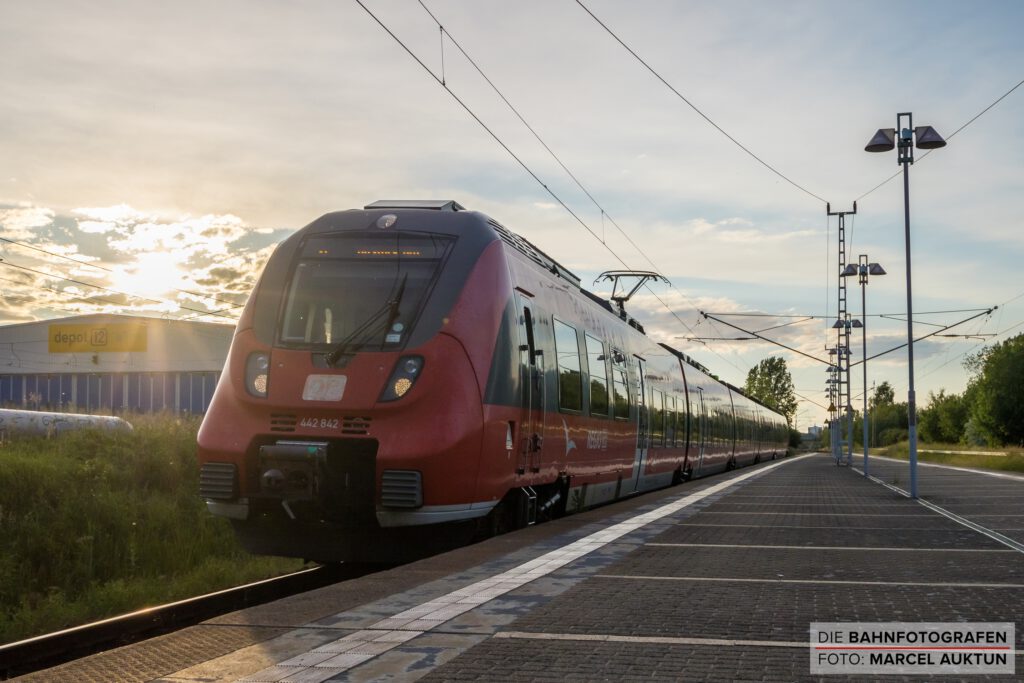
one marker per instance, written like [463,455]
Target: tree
[770,383]
[997,391]
[887,419]
[884,395]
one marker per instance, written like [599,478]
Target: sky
[161,151]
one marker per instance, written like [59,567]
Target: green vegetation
[770,383]
[989,413]
[995,395]
[94,524]
[1011,460]
[887,420]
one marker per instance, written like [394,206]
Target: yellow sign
[111,337]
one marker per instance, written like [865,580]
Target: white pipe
[46,424]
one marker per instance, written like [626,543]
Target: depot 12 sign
[97,338]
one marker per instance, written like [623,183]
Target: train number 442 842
[319,422]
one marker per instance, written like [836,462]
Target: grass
[1009,460]
[94,524]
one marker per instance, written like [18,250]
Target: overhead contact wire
[697,109]
[536,135]
[568,171]
[508,150]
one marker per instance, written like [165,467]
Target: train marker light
[386,221]
[401,386]
[256,374]
[404,376]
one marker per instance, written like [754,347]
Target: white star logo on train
[569,443]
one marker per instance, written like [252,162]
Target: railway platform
[718,579]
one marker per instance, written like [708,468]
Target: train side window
[695,419]
[620,385]
[681,422]
[716,436]
[570,378]
[670,421]
[657,418]
[598,377]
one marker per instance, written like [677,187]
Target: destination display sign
[97,338]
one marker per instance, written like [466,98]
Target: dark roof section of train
[512,239]
[686,359]
[530,250]
[517,242]
[747,396]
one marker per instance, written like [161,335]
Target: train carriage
[410,376]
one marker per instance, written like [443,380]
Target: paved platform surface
[991,499]
[713,580]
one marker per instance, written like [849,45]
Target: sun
[152,275]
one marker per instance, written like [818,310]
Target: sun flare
[151,275]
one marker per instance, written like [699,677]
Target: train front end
[349,416]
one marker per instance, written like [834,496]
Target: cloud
[138,262]
[104,219]
[21,223]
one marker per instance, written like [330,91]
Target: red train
[412,375]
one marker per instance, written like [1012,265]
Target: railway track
[40,652]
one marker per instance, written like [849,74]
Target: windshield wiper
[394,303]
[364,331]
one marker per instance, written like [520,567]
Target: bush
[97,522]
[892,435]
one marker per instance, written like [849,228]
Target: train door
[700,420]
[642,424]
[531,375]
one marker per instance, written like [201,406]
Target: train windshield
[362,291]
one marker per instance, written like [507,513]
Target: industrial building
[112,363]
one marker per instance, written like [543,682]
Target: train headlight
[257,374]
[404,376]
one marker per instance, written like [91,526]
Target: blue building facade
[188,392]
[107,364]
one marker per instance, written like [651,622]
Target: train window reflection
[570,378]
[657,418]
[620,385]
[598,377]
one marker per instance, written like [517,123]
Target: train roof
[540,258]
[512,239]
[686,359]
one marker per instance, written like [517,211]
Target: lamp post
[863,269]
[883,141]
[845,325]
[833,423]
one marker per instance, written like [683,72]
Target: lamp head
[928,138]
[850,269]
[857,323]
[875,269]
[884,140]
